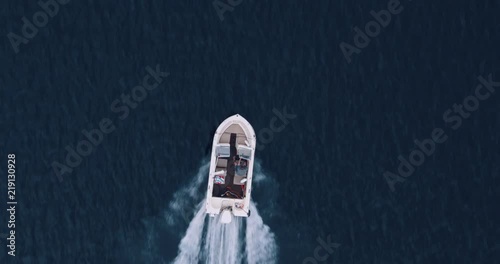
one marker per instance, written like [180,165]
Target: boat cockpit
[231,170]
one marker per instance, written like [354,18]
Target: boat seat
[223,150]
[245,152]
[221,163]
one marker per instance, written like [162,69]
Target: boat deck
[229,189]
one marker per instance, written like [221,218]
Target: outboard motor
[225,216]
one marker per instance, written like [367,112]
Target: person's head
[243,163]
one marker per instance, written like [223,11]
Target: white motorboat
[231,168]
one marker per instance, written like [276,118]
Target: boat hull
[230,182]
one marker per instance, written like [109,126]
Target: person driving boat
[241,167]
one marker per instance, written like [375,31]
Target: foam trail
[189,248]
[209,241]
[223,242]
[185,201]
[260,242]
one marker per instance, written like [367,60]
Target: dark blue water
[325,167]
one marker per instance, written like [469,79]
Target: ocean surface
[135,196]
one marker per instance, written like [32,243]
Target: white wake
[244,240]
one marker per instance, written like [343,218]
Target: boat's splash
[208,241]
[260,243]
